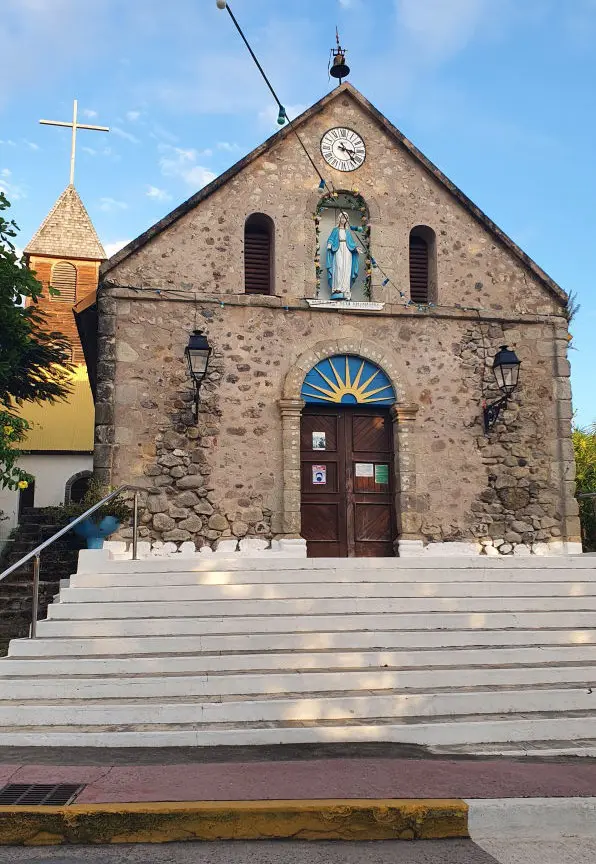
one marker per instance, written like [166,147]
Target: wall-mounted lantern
[506,371]
[197,354]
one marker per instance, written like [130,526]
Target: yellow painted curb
[335,819]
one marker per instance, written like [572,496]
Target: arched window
[76,487]
[64,278]
[423,278]
[258,254]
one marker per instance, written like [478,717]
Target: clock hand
[346,150]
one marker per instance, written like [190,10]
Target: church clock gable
[431,243]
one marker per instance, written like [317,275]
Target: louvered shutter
[257,260]
[418,269]
[64,278]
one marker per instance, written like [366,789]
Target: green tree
[584,445]
[34,361]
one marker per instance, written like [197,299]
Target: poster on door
[319,475]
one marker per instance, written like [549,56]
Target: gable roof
[67,231]
[392,131]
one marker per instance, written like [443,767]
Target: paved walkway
[145,776]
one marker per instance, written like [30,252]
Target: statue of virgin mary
[342,259]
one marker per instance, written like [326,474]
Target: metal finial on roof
[339,67]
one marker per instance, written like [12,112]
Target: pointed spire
[67,231]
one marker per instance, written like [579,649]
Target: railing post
[35,603]
[135,525]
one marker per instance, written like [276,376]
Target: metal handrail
[587,495]
[35,553]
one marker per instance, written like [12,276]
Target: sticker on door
[319,475]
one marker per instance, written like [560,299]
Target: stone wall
[224,476]
[203,250]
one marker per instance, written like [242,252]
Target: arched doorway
[347,459]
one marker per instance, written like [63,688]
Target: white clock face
[343,149]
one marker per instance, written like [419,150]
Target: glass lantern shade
[506,370]
[197,355]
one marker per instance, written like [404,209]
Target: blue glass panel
[347,379]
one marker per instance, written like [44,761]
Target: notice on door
[319,475]
[319,441]
[382,474]
[364,469]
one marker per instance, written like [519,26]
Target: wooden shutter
[64,278]
[418,269]
[257,259]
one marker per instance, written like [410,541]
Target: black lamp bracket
[491,413]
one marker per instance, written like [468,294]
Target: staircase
[464,653]
[35,526]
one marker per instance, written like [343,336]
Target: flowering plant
[12,431]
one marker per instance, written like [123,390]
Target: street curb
[328,819]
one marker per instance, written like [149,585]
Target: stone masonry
[234,473]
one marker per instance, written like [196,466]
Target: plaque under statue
[342,260]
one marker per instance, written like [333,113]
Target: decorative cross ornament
[74,126]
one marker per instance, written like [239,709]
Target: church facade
[353,330]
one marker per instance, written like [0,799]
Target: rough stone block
[162,522]
[192,481]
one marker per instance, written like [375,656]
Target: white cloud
[31,144]
[111,204]
[128,136]
[8,142]
[178,162]
[89,150]
[13,191]
[133,115]
[89,113]
[158,194]
[436,30]
[115,246]
[228,147]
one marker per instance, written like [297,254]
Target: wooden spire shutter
[258,258]
[418,269]
[64,278]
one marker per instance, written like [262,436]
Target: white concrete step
[319,606]
[131,576]
[451,731]
[162,626]
[279,565]
[308,682]
[254,651]
[358,640]
[176,663]
[312,708]
[326,590]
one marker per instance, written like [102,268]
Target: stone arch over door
[403,413]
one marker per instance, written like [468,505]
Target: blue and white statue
[342,259]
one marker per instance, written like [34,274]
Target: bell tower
[65,254]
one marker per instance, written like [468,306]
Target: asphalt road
[565,850]
[260,852]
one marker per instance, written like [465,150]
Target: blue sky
[498,93]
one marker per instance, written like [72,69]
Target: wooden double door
[346,461]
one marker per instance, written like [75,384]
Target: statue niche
[342,256]
[341,260]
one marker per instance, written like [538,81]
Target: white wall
[51,472]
